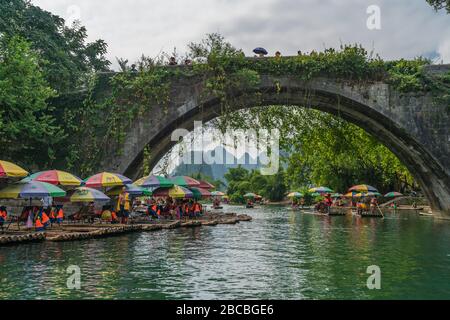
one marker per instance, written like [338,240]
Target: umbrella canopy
[200,193]
[206,185]
[295,195]
[55,177]
[260,50]
[31,189]
[106,179]
[153,181]
[350,194]
[393,194]
[337,195]
[217,194]
[185,181]
[11,170]
[320,190]
[249,195]
[315,194]
[176,192]
[85,194]
[131,189]
[367,194]
[363,188]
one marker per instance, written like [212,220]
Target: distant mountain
[215,171]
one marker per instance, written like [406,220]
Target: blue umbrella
[260,50]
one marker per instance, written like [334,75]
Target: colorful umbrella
[367,194]
[337,195]
[131,189]
[295,195]
[55,177]
[315,194]
[320,190]
[11,170]
[106,179]
[206,185]
[32,189]
[350,194]
[217,194]
[153,181]
[184,181]
[249,195]
[85,194]
[393,194]
[200,193]
[363,188]
[174,192]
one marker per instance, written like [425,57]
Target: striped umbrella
[131,189]
[295,195]
[184,181]
[200,193]
[217,194]
[106,179]
[320,190]
[11,170]
[367,194]
[85,194]
[174,192]
[206,185]
[55,177]
[393,194]
[249,195]
[363,188]
[153,181]
[31,189]
[337,195]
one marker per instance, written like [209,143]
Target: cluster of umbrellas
[96,188]
[358,191]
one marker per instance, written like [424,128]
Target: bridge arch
[389,116]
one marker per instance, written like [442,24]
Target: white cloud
[409,28]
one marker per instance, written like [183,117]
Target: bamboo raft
[74,232]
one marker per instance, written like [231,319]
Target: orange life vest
[60,214]
[113,216]
[52,214]
[197,208]
[38,223]
[3,214]
[45,218]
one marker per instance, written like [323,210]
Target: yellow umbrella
[11,170]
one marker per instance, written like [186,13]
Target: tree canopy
[66,57]
[27,129]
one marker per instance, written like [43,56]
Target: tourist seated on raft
[3,216]
[373,204]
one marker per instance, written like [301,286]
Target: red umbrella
[205,185]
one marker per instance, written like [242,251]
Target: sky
[407,28]
[391,28]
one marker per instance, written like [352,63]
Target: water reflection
[280,255]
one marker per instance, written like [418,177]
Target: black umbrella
[260,50]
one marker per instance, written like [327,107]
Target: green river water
[281,254]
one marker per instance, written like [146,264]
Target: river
[281,254]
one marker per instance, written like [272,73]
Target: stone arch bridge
[413,126]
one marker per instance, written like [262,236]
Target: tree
[440,4]
[27,128]
[68,58]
